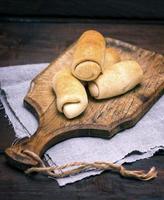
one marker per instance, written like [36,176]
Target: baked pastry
[116,80]
[88,57]
[112,56]
[71,96]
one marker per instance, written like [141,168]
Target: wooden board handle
[37,143]
[112,115]
[41,141]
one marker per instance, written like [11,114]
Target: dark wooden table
[34,42]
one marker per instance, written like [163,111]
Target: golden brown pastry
[88,56]
[116,80]
[112,56]
[71,96]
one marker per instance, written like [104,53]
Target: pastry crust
[112,56]
[71,96]
[88,57]
[118,79]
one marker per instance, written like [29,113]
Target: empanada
[71,96]
[116,80]
[88,57]
[112,56]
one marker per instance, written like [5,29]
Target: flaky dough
[88,56]
[112,56]
[116,80]
[71,96]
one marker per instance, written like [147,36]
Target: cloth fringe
[78,167]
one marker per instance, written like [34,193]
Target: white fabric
[139,142]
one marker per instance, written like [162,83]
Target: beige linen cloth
[136,143]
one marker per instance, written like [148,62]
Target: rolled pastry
[88,56]
[116,80]
[111,57]
[71,96]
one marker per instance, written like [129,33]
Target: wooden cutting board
[110,116]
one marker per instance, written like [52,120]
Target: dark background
[117,9]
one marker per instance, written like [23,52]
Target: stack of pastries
[107,75]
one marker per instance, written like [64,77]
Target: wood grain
[39,45]
[46,41]
[111,115]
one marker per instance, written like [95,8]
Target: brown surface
[112,115]
[18,47]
